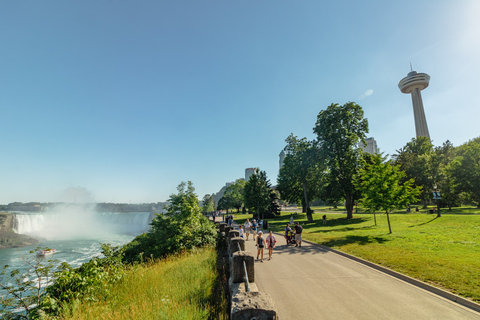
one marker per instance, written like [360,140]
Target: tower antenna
[411,69]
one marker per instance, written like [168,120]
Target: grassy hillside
[181,287]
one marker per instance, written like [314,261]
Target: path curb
[445,294]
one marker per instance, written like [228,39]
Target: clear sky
[126,99]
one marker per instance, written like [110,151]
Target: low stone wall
[252,305]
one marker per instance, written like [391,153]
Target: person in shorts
[240,230]
[254,227]
[270,241]
[288,233]
[260,243]
[298,234]
[247,228]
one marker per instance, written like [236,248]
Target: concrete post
[234,242]
[237,270]
[222,226]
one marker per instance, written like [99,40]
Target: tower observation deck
[413,83]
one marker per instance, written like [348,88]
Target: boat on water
[48,252]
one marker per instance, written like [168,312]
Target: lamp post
[436,196]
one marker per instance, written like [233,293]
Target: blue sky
[126,99]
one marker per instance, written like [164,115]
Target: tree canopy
[339,129]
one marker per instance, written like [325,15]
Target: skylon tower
[413,83]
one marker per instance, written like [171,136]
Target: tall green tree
[257,193]
[207,204]
[382,189]
[234,194]
[414,160]
[440,160]
[465,170]
[339,129]
[300,172]
[182,227]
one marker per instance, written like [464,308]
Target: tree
[339,129]
[414,160]
[207,204]
[234,194]
[181,227]
[296,181]
[257,193]
[465,170]
[382,188]
[439,161]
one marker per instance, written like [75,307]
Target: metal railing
[247,285]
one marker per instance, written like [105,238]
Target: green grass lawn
[442,251]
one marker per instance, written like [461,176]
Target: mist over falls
[74,221]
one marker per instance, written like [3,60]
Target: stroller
[291,238]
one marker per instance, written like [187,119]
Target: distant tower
[280,161]
[414,83]
[370,147]
[249,172]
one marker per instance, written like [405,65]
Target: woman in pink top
[270,241]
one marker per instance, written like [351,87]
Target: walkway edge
[428,287]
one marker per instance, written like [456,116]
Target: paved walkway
[309,282]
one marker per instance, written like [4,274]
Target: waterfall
[80,223]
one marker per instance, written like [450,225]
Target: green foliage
[181,227]
[233,196]
[22,292]
[339,129]
[207,204]
[257,193]
[465,170]
[415,160]
[382,188]
[301,172]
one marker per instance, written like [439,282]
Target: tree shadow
[361,240]
[421,224]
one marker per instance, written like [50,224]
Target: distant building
[280,160]
[249,172]
[370,147]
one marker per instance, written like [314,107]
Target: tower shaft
[421,128]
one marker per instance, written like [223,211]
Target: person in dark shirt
[298,234]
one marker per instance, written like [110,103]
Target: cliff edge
[8,237]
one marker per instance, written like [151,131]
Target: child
[260,244]
[270,240]
[241,231]
[247,228]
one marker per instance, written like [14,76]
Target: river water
[75,232]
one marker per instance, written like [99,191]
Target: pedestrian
[260,245]
[298,234]
[288,233]
[247,227]
[254,227]
[270,241]
[324,219]
[240,230]
[291,219]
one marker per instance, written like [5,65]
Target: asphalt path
[310,282]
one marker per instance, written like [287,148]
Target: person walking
[240,230]
[247,227]
[288,233]
[298,234]
[270,241]
[260,244]
[291,219]
[254,227]
[324,219]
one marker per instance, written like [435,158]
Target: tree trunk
[349,206]
[375,217]
[309,212]
[388,219]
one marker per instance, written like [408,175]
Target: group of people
[269,241]
[291,234]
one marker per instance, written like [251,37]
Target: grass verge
[179,287]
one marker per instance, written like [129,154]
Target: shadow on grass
[421,224]
[361,240]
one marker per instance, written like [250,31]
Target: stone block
[222,226]
[237,271]
[253,305]
[234,242]
[233,234]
